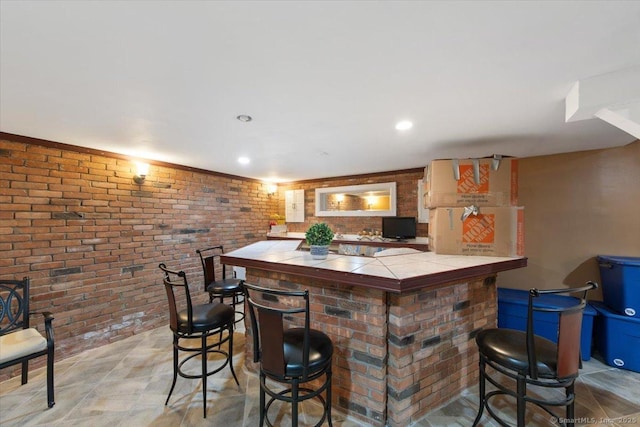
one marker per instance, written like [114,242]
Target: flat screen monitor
[399,227]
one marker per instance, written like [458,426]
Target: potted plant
[319,237]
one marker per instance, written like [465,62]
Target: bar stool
[196,322]
[224,287]
[292,356]
[532,360]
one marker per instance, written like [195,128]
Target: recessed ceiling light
[244,118]
[244,160]
[404,125]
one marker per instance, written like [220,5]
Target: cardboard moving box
[491,231]
[464,182]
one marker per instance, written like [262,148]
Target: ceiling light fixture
[244,118]
[404,125]
[244,160]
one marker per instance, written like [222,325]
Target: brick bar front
[397,355]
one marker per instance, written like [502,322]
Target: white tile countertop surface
[395,269]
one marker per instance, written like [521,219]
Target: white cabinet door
[294,205]
[423,212]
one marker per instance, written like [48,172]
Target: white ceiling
[325,81]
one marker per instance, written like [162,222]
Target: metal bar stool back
[289,351]
[200,325]
[220,286]
[529,359]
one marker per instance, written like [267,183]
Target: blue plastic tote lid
[521,297]
[602,309]
[624,260]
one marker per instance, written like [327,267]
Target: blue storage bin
[512,314]
[620,280]
[618,338]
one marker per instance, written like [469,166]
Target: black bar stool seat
[221,287]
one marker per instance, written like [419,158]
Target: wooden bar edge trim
[385,284]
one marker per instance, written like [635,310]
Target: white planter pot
[319,252]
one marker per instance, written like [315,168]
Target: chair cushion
[225,286]
[508,348]
[320,350]
[21,343]
[207,317]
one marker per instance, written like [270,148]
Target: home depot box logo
[493,231]
[467,183]
[464,182]
[479,229]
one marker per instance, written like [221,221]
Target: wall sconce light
[339,198]
[371,200]
[272,189]
[142,169]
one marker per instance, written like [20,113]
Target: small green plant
[319,234]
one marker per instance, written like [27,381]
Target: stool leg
[481,392]
[204,374]
[203,345]
[569,393]
[25,372]
[175,367]
[236,302]
[263,378]
[294,403]
[329,378]
[221,296]
[50,398]
[231,353]
[521,403]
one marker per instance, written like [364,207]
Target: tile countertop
[394,270]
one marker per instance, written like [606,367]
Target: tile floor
[125,384]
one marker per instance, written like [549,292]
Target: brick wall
[91,239]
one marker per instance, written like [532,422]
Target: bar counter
[402,322]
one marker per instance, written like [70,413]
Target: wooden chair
[195,323]
[20,343]
[532,360]
[292,356]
